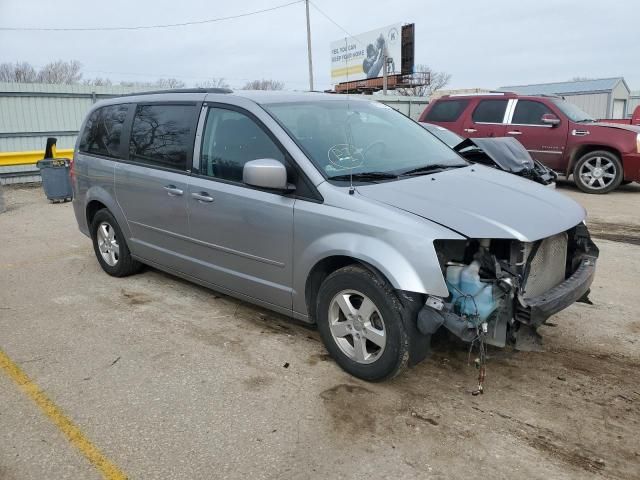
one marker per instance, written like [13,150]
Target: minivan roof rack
[184,90]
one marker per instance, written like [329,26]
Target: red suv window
[489,111]
[529,112]
[446,110]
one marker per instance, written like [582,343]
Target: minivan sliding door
[151,185]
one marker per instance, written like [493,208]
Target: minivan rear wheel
[598,172]
[360,321]
[110,246]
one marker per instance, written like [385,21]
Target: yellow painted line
[28,158]
[74,435]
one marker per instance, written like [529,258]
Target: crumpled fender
[415,269]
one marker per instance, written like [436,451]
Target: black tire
[125,265]
[395,355]
[615,169]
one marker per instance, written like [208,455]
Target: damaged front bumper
[538,309]
[504,290]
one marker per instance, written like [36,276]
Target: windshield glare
[342,137]
[447,136]
[574,113]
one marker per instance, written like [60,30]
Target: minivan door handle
[514,132]
[202,197]
[173,191]
[470,130]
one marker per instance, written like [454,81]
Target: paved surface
[170,380]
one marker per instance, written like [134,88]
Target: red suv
[557,133]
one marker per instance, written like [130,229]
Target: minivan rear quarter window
[490,111]
[446,110]
[102,132]
[162,135]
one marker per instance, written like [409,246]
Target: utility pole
[309,47]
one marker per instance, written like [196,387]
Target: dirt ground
[170,380]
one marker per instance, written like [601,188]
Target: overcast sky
[481,43]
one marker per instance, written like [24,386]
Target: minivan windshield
[574,113]
[367,139]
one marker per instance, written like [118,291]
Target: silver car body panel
[261,246]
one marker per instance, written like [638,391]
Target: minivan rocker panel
[480,202]
[346,214]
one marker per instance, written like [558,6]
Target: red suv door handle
[514,132]
[470,130]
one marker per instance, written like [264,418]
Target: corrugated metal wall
[412,107]
[595,104]
[30,112]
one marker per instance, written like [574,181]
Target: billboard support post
[384,72]
[309,47]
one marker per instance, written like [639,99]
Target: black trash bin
[55,178]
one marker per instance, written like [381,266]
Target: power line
[145,27]
[333,21]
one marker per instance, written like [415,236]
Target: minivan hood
[481,202]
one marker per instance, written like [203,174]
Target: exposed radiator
[548,266]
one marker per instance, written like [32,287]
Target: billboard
[360,57]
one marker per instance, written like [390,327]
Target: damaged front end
[505,289]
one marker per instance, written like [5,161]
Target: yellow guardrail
[29,158]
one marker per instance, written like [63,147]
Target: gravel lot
[170,380]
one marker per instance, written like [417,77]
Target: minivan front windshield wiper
[436,167]
[365,176]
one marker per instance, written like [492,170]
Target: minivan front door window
[230,140]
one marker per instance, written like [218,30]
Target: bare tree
[263,85]
[21,72]
[98,82]
[169,83]
[60,72]
[214,82]
[166,83]
[425,81]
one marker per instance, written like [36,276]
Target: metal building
[601,98]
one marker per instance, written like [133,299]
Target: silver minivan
[334,210]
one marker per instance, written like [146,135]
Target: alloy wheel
[108,244]
[597,172]
[357,326]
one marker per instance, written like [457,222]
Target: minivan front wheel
[598,172]
[110,246]
[360,322]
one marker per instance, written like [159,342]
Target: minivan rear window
[446,110]
[162,135]
[103,131]
[490,111]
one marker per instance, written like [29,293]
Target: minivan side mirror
[265,173]
[550,119]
